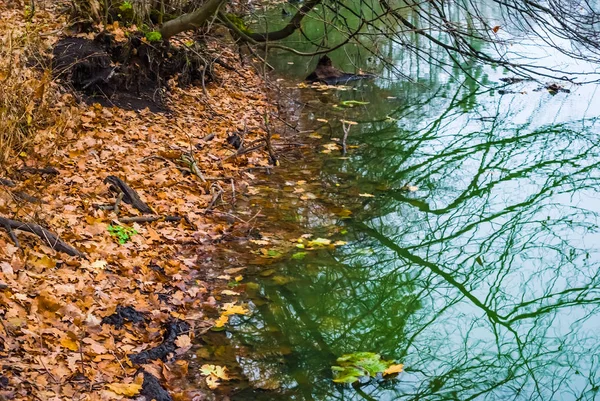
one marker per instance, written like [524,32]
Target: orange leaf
[393,369]
[127,389]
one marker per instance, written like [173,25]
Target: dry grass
[28,97]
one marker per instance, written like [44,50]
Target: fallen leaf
[215,370]
[393,369]
[69,344]
[127,389]
[183,341]
[319,242]
[222,321]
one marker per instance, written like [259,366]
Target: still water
[484,281]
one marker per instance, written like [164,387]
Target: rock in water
[328,74]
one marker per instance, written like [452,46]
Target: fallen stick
[7,183]
[34,170]
[49,238]
[129,195]
[150,219]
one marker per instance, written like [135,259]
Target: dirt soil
[74,327]
[128,73]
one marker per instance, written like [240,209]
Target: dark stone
[124,314]
[152,389]
[326,73]
[235,140]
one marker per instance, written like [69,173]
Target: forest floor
[106,321]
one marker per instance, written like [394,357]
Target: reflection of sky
[526,252]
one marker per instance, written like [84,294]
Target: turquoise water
[483,280]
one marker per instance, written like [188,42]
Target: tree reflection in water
[484,283]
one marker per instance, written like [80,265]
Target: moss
[156,14]
[239,23]
[153,36]
[125,12]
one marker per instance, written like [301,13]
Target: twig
[12,234]
[130,196]
[118,202]
[346,129]
[46,170]
[154,157]
[7,183]
[150,219]
[213,201]
[247,150]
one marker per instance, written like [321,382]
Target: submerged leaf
[393,369]
[299,255]
[362,364]
[318,242]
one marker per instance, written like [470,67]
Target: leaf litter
[110,321]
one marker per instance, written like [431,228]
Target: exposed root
[129,196]
[50,239]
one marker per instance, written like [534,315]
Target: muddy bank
[131,74]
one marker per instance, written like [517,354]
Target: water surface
[484,282]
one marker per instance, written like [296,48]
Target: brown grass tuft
[28,96]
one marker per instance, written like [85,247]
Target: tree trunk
[290,28]
[190,21]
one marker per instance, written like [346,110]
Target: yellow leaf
[344,213]
[229,292]
[318,242]
[221,321]
[127,389]
[215,370]
[393,369]
[366,195]
[232,309]
[212,382]
[238,278]
[69,344]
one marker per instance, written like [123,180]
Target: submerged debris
[514,80]
[328,74]
[172,330]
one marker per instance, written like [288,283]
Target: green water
[484,282]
